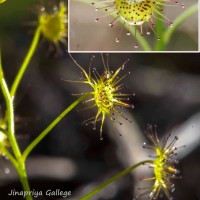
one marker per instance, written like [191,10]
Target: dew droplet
[110,24]
[7,170]
[55,9]
[3,154]
[176,161]
[172,186]
[42,9]
[177,171]
[136,197]
[101,138]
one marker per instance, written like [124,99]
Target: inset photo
[133,26]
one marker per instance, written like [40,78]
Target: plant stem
[10,115]
[126,171]
[25,62]
[17,161]
[23,179]
[159,44]
[140,39]
[51,126]
[191,10]
[10,157]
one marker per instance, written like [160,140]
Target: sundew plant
[142,20]
[106,93]
[103,94]
[138,14]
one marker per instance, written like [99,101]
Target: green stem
[17,161]
[159,44]
[140,39]
[126,171]
[9,156]
[24,180]
[10,115]
[191,10]
[51,126]
[25,62]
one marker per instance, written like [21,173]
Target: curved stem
[51,126]
[191,10]
[126,171]
[141,39]
[9,156]
[10,115]
[25,62]
[17,161]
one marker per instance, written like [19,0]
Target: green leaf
[113,179]
[178,21]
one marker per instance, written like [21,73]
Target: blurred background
[71,157]
[88,35]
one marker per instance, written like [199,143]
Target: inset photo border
[133,26]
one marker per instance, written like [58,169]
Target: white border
[198,51]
